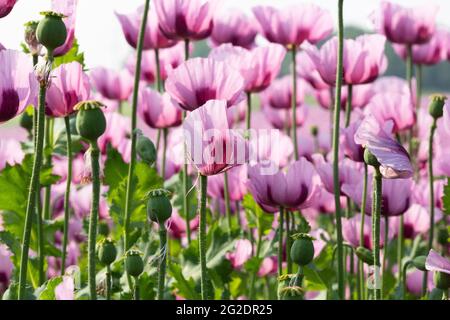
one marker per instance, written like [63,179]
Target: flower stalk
[202,237]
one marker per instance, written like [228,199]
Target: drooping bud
[159,208]
[370,159]
[134,265]
[91,122]
[107,251]
[302,250]
[365,255]
[145,149]
[31,39]
[419,262]
[51,31]
[436,108]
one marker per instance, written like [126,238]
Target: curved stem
[280,242]
[32,191]
[67,195]
[348,109]
[294,100]
[92,237]
[337,194]
[288,242]
[227,201]
[137,77]
[376,218]
[431,201]
[108,282]
[162,260]
[163,165]
[248,116]
[202,236]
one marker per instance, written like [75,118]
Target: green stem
[136,289]
[409,74]
[362,279]
[162,260]
[337,194]
[280,242]
[294,100]
[67,195]
[431,201]
[227,202]
[404,269]
[385,253]
[108,282]
[376,218]
[186,49]
[163,165]
[32,191]
[348,109]
[254,274]
[202,236]
[400,246]
[248,116]
[137,77]
[288,242]
[95,154]
[419,86]
[158,71]
[184,177]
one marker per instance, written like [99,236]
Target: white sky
[100,36]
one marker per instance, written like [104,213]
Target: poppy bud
[107,251]
[159,208]
[51,31]
[436,108]
[419,263]
[30,37]
[365,255]
[91,122]
[302,250]
[370,159]
[441,280]
[134,265]
[146,149]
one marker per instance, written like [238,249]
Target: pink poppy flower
[392,84]
[393,158]
[235,27]
[282,118]
[430,53]
[212,147]
[364,59]
[414,282]
[406,25]
[6,6]
[306,69]
[237,180]
[279,94]
[296,188]
[361,95]
[198,80]
[351,149]
[177,225]
[68,9]
[186,19]
[111,84]
[131,25]
[169,59]
[6,267]
[437,263]
[18,87]
[270,147]
[294,24]
[2,47]
[395,107]
[10,145]
[351,229]
[416,221]
[158,111]
[69,86]
[268,267]
[321,237]
[65,290]
[242,253]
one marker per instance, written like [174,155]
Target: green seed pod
[419,263]
[370,159]
[436,108]
[159,208]
[291,293]
[365,255]
[107,251]
[442,236]
[51,31]
[146,149]
[134,265]
[91,122]
[302,250]
[441,280]
[283,282]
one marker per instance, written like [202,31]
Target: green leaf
[446,197]
[185,287]
[313,280]
[72,55]
[48,291]
[257,217]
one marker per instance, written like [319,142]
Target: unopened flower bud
[31,39]
[146,149]
[159,208]
[134,265]
[51,31]
[91,122]
[370,159]
[302,250]
[107,251]
[365,255]
[419,262]
[436,108]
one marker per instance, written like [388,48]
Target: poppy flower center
[9,104]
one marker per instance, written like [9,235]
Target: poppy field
[262,154]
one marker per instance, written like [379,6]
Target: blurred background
[100,36]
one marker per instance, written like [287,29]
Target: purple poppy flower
[436,262]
